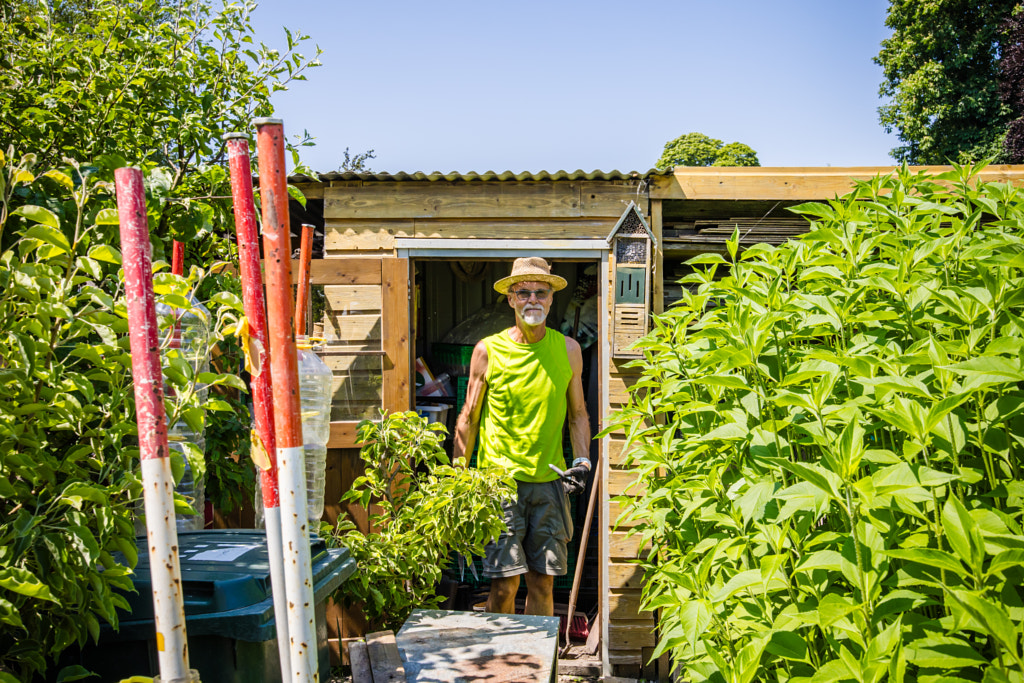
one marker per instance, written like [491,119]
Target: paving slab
[440,646]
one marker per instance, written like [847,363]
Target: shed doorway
[454,305]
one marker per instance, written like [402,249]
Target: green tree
[697,149]
[942,79]
[87,86]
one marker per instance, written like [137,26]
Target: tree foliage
[1011,76]
[942,77]
[829,444]
[697,149]
[87,86]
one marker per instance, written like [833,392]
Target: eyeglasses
[524,294]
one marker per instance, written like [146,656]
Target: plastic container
[187,332]
[315,380]
[229,611]
[433,413]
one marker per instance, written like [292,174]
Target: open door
[365,318]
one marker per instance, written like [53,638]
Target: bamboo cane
[302,295]
[285,383]
[263,405]
[157,480]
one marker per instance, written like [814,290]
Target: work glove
[574,479]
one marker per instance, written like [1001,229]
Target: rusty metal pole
[285,377]
[262,398]
[302,295]
[177,258]
[157,480]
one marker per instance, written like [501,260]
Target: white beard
[534,317]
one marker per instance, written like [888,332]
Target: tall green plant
[831,440]
[68,444]
[426,509]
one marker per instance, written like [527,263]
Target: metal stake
[262,398]
[157,480]
[287,424]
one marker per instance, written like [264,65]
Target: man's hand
[574,479]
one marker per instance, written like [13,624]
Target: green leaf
[787,645]
[40,215]
[76,672]
[962,533]
[25,583]
[105,253]
[990,616]
[815,474]
[45,233]
[930,557]
[107,217]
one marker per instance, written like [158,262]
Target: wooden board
[620,480]
[514,228]
[352,298]
[609,198]
[360,327]
[618,388]
[359,661]
[337,271]
[631,635]
[343,435]
[616,452]
[624,545]
[443,199]
[627,605]
[357,387]
[440,646]
[395,285]
[789,183]
[614,512]
[385,660]
[625,575]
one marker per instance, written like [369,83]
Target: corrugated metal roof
[489,175]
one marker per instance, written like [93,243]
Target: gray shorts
[538,528]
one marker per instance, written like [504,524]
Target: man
[523,382]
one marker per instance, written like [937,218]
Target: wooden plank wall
[369,216]
[630,630]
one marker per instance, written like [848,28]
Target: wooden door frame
[392,274]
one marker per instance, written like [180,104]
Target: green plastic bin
[229,611]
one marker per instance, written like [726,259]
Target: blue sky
[565,85]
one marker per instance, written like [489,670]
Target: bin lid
[225,576]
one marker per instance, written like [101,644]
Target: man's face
[531,301]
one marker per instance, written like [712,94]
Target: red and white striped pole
[262,397]
[285,382]
[302,295]
[157,480]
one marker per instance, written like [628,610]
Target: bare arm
[468,424]
[579,421]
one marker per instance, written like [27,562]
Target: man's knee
[505,586]
[535,581]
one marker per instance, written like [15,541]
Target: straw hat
[532,269]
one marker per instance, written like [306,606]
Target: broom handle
[583,552]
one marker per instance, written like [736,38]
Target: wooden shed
[408,265]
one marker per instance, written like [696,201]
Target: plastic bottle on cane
[186,333]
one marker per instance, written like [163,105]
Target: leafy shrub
[68,439]
[427,509]
[831,440]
